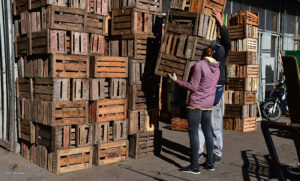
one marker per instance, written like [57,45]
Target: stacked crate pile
[54,41]
[242,72]
[189,29]
[135,34]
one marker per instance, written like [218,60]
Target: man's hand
[218,17]
[172,77]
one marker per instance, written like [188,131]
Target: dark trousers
[196,117]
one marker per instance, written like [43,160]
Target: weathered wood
[60,137]
[240,124]
[72,159]
[98,6]
[108,153]
[242,84]
[136,71]
[239,97]
[136,121]
[110,131]
[99,88]
[96,24]
[26,130]
[242,58]
[151,5]
[49,89]
[24,151]
[108,110]
[172,64]
[60,113]
[136,97]
[49,41]
[61,66]
[80,89]
[20,6]
[237,111]
[243,71]
[79,43]
[98,45]
[35,4]
[247,17]
[25,88]
[179,124]
[109,67]
[22,46]
[131,21]
[243,45]
[243,31]
[63,18]
[144,144]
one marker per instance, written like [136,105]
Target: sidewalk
[245,158]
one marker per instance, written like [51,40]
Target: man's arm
[225,38]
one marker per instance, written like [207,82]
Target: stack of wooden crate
[108,108]
[242,72]
[54,41]
[134,34]
[189,29]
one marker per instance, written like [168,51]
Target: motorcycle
[276,105]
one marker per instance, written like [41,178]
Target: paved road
[245,158]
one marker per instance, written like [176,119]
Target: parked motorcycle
[276,105]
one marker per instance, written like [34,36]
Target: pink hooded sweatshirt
[202,84]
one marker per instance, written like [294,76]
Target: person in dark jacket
[202,85]
[221,48]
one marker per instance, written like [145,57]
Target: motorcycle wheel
[267,106]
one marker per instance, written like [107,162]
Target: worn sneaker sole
[195,173]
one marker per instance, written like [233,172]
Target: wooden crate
[78,4]
[79,89]
[172,64]
[61,66]
[136,121]
[243,71]
[60,113]
[98,45]
[28,106]
[36,22]
[73,159]
[239,124]
[24,150]
[247,17]
[98,6]
[96,24]
[110,131]
[183,46]
[242,58]
[136,97]
[244,97]
[179,124]
[20,107]
[49,41]
[243,45]
[242,84]
[199,6]
[243,31]
[26,130]
[108,153]
[131,21]
[25,88]
[109,67]
[101,88]
[144,144]
[151,5]
[24,23]
[21,46]
[237,111]
[79,43]
[253,110]
[136,71]
[35,4]
[49,89]
[60,137]
[20,6]
[69,19]
[108,110]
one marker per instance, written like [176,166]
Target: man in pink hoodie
[202,85]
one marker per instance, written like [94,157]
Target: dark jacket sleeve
[225,40]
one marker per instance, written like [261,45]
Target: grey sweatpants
[217,126]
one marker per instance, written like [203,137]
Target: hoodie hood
[212,64]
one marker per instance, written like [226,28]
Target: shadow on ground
[260,167]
